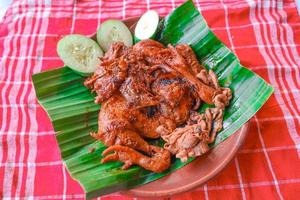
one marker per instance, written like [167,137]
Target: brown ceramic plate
[197,172]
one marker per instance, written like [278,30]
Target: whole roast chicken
[149,91]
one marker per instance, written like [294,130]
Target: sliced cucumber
[80,53]
[112,31]
[147,25]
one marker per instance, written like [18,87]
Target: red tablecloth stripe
[263,34]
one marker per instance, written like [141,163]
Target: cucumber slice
[112,31]
[80,53]
[147,26]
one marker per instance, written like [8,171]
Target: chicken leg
[117,131]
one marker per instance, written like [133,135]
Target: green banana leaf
[74,114]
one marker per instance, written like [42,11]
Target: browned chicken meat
[151,91]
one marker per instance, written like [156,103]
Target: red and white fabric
[265,35]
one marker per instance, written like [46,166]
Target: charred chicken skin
[152,91]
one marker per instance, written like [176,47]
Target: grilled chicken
[150,91]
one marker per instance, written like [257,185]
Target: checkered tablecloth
[265,35]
